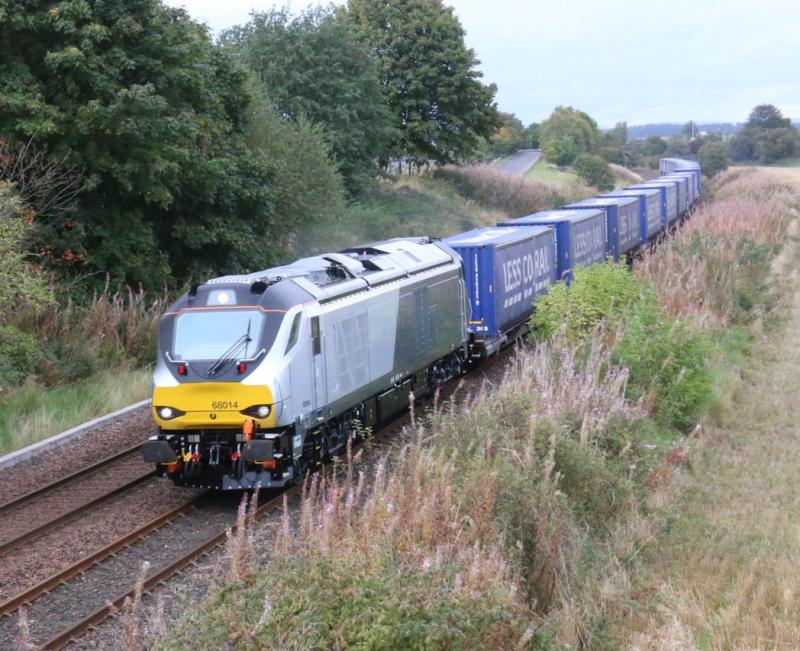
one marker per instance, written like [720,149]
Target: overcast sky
[670,61]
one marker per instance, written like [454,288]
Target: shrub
[594,171]
[19,354]
[714,157]
[600,292]
[667,362]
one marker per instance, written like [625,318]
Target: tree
[775,144]
[533,132]
[566,134]
[767,137]
[509,137]
[430,78]
[315,66]
[595,171]
[619,134]
[713,157]
[690,130]
[137,96]
[767,116]
[655,146]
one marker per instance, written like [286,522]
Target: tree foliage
[315,66]
[595,171]
[767,137]
[509,137]
[432,86]
[566,134]
[137,96]
[714,157]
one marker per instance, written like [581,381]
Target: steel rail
[63,638]
[28,595]
[64,480]
[13,542]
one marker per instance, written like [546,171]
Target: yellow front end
[209,405]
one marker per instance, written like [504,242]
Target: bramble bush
[598,293]
[665,358]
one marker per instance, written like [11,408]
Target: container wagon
[669,198]
[694,190]
[623,234]
[580,236]
[651,210]
[683,192]
[695,172]
[505,270]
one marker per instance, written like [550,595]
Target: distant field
[549,173]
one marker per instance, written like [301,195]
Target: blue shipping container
[694,171]
[622,217]
[683,191]
[580,236]
[669,197]
[692,180]
[651,210]
[505,269]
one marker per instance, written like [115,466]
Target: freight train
[262,377]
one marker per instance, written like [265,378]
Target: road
[519,163]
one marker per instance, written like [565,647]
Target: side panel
[612,231]
[629,226]
[587,239]
[653,215]
[371,340]
[523,270]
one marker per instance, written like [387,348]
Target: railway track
[65,605]
[37,511]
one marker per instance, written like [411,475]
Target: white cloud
[672,60]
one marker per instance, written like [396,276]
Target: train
[261,378]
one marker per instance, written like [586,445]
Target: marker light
[182,369]
[242,367]
[263,411]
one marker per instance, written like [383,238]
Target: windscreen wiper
[236,347]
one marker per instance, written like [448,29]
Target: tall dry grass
[515,196]
[716,265]
[724,575]
[518,515]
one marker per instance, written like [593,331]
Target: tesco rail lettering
[589,241]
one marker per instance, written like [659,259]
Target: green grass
[549,173]
[32,413]
[416,205]
[789,162]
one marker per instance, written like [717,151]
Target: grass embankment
[520,516]
[544,172]
[74,362]
[394,207]
[724,574]
[32,413]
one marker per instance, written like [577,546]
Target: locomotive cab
[261,377]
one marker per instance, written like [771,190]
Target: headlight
[258,411]
[168,413]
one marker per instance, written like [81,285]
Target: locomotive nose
[201,405]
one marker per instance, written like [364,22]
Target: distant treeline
[667,129]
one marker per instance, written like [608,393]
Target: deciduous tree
[137,96]
[315,66]
[441,109]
